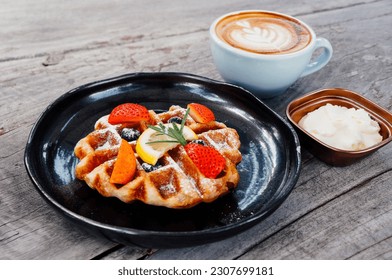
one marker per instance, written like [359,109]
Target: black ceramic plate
[268,171]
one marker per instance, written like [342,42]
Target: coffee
[265,52]
[263,33]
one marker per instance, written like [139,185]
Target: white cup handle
[321,60]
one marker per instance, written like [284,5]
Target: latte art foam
[262,36]
[263,33]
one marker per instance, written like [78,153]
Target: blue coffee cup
[265,74]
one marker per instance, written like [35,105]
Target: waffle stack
[177,182]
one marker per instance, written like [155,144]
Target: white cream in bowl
[342,128]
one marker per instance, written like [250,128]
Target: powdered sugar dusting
[187,188]
[169,189]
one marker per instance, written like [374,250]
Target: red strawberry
[208,160]
[200,113]
[128,112]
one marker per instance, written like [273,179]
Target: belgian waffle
[177,183]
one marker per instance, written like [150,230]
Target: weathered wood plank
[364,211]
[48,49]
[32,29]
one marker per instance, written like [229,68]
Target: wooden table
[50,47]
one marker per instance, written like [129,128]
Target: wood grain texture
[50,47]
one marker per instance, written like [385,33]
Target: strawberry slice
[128,113]
[200,113]
[208,160]
[125,166]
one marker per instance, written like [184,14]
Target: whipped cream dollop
[343,128]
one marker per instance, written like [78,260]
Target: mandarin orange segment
[125,165]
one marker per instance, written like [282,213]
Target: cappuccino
[264,51]
[263,33]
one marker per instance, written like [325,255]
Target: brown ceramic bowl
[342,97]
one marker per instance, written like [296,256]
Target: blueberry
[175,120]
[199,141]
[130,134]
[148,167]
